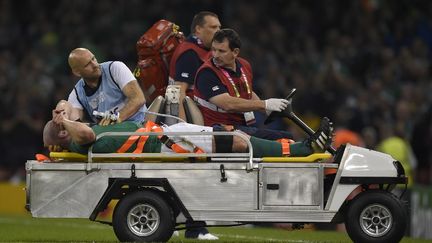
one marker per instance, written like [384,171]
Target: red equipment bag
[155,49]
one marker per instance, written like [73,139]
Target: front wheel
[376,216]
[143,216]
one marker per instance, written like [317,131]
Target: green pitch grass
[26,229]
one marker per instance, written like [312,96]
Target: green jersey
[110,144]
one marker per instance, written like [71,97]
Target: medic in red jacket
[223,89]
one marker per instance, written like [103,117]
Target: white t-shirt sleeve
[73,99]
[121,74]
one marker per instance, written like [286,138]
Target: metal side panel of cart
[63,190]
[199,185]
[287,192]
[274,192]
[68,190]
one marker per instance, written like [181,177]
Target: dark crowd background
[366,64]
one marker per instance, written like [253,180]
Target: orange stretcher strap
[177,148]
[198,150]
[285,146]
[130,141]
[149,127]
[42,157]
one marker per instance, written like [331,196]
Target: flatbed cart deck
[159,191]
[156,192]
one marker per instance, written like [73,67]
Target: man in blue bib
[107,93]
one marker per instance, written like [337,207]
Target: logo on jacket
[95,101]
[185,75]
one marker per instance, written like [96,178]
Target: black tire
[143,216]
[376,216]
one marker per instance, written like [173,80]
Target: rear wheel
[376,216]
[143,216]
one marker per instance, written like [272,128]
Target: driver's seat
[159,105]
[193,113]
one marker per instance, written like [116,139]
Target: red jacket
[213,116]
[202,53]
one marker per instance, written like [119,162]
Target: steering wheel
[286,112]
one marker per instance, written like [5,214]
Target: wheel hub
[376,220]
[143,219]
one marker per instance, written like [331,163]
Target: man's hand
[274,104]
[108,121]
[55,148]
[58,117]
[108,118]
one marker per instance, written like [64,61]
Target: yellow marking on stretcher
[76,157]
[69,156]
[311,158]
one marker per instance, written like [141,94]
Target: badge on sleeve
[249,117]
